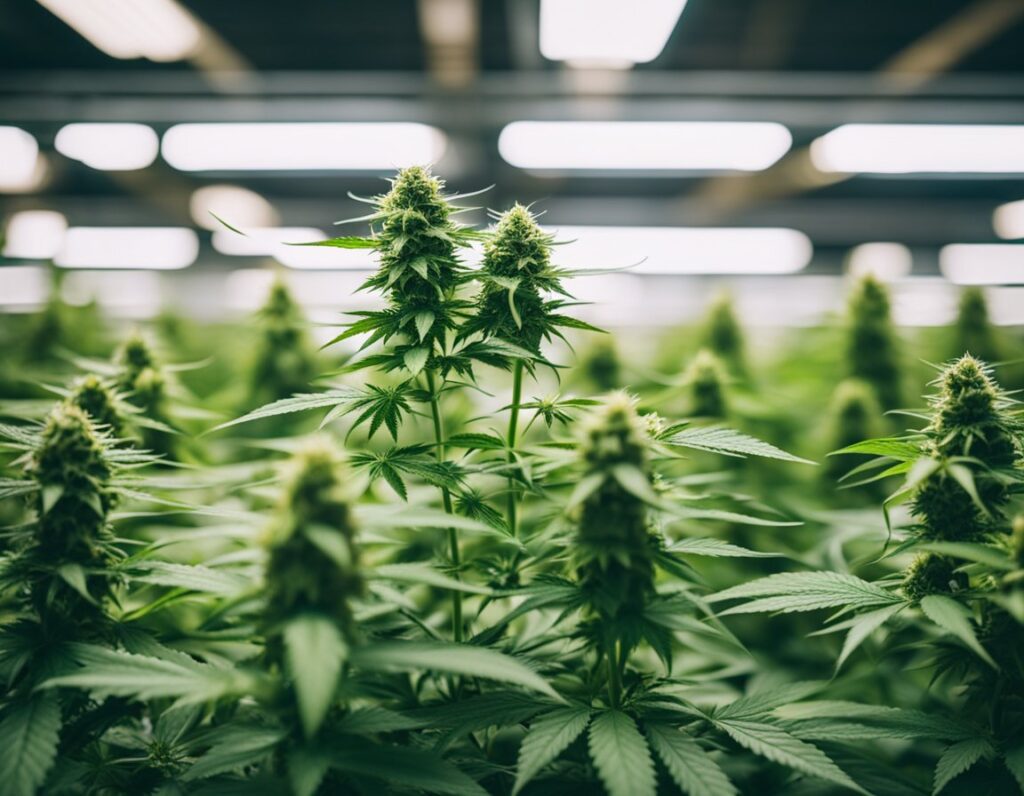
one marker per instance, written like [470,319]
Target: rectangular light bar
[19,160]
[301,146]
[983,263]
[606,33]
[684,250]
[1008,220]
[921,149]
[643,146]
[35,235]
[157,248]
[109,147]
[160,30]
[23,285]
[885,261]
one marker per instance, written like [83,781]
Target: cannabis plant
[284,362]
[854,415]
[706,382]
[973,330]
[961,591]
[723,335]
[872,349]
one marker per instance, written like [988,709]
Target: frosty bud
[96,399]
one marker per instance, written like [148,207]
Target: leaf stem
[446,499]
[614,675]
[513,428]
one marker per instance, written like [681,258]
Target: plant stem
[513,427]
[614,675]
[446,499]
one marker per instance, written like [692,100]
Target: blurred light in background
[641,146]
[262,242]
[924,302]
[302,146]
[326,258]
[129,294]
[35,234]
[23,285]
[1008,220]
[921,148]
[609,34]
[685,250]
[109,147]
[161,248]
[885,261]
[983,263]
[239,207]
[160,30]
[19,160]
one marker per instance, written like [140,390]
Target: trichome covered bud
[972,431]
[516,272]
[930,574]
[872,350]
[70,548]
[92,395]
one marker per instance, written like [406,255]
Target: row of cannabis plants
[445,561]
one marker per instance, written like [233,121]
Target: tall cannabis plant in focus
[872,348]
[962,590]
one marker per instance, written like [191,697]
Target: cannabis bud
[871,349]
[516,271]
[706,379]
[723,335]
[974,331]
[930,574]
[284,362]
[313,557]
[615,546]
[969,419]
[96,399]
[601,364]
[854,415]
[70,465]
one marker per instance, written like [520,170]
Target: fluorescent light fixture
[685,250]
[160,30]
[301,146]
[159,248]
[109,147]
[606,33]
[1008,220]
[921,149]
[19,160]
[643,146]
[885,261]
[1006,305]
[35,234]
[131,294]
[23,284]
[240,207]
[262,242]
[983,263]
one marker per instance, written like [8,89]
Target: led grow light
[983,263]
[19,160]
[1008,220]
[35,234]
[159,248]
[109,147]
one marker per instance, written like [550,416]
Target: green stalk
[614,675]
[513,427]
[446,499]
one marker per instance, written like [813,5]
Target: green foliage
[723,335]
[872,350]
[706,380]
[284,362]
[974,332]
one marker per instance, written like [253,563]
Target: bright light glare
[983,263]
[921,148]
[23,284]
[132,294]
[1006,305]
[924,301]
[1008,220]
[606,33]
[685,250]
[35,234]
[160,30]
[303,146]
[159,248]
[240,207]
[19,154]
[885,261]
[641,146]
[109,147]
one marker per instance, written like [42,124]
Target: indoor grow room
[541,397]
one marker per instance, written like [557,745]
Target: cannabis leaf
[548,737]
[805,591]
[690,766]
[621,756]
[29,732]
